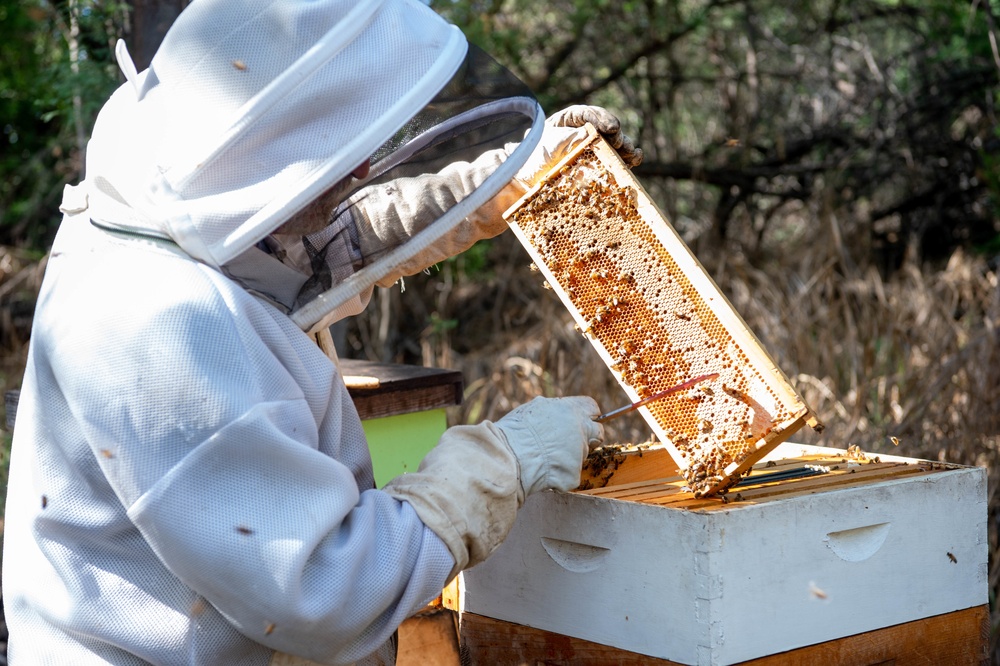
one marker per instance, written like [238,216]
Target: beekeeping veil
[252,110]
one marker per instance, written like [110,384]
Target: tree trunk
[150,21]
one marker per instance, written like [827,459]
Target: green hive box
[402,409]
[398,443]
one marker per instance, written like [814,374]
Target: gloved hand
[604,122]
[551,437]
[468,488]
[387,215]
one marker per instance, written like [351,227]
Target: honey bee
[894,440]
[240,65]
[954,560]
[816,591]
[45,501]
[107,454]
[268,629]
[245,531]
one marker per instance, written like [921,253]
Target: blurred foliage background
[835,166]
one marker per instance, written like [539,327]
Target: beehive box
[811,547]
[655,317]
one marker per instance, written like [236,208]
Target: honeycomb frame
[655,317]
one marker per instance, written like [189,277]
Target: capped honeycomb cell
[655,317]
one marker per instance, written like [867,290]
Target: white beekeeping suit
[190,482]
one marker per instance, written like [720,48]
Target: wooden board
[396,389]
[401,389]
[633,475]
[429,637]
[954,639]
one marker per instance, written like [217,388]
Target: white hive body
[758,573]
[655,317]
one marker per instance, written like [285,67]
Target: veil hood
[251,110]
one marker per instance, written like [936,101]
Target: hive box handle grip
[574,556]
[858,544]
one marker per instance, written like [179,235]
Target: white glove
[604,122]
[468,488]
[551,438]
[387,215]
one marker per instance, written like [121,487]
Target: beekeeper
[190,482]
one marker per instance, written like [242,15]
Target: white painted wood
[724,586]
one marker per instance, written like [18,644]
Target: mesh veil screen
[471,117]
[480,80]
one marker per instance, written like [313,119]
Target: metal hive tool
[655,317]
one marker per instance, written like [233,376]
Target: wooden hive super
[655,317]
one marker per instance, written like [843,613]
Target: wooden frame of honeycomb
[656,317]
